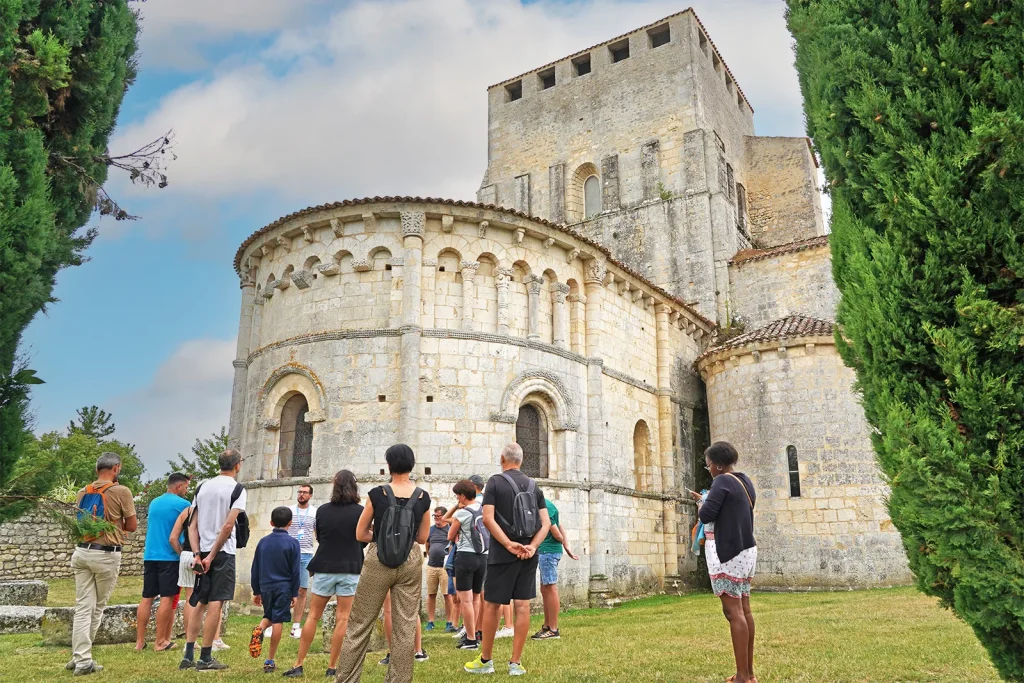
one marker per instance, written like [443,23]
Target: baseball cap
[477,480]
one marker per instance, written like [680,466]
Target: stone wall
[836,533]
[764,287]
[36,546]
[782,191]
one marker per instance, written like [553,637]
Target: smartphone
[198,567]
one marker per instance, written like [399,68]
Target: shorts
[342,585]
[451,583]
[549,568]
[218,584]
[186,577]
[277,605]
[511,581]
[160,578]
[436,577]
[469,571]
[304,560]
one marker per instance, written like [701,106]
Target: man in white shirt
[302,529]
[217,505]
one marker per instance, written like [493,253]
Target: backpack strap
[744,488]
[515,486]
[390,494]
[234,494]
[414,498]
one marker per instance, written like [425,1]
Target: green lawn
[881,635]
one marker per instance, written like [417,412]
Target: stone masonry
[640,213]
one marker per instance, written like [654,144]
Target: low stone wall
[36,546]
[26,593]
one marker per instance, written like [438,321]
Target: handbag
[744,488]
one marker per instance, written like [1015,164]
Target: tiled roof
[688,10]
[789,327]
[757,254]
[469,205]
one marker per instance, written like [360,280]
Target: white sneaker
[219,645]
[458,634]
[296,630]
[506,632]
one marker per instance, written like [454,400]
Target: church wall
[837,533]
[782,188]
[795,283]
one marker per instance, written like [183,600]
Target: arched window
[532,436]
[794,472]
[591,196]
[295,452]
[642,456]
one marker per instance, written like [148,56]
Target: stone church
[640,275]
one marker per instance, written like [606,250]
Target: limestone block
[19,619]
[26,593]
[378,642]
[118,624]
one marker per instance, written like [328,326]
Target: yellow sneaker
[479,666]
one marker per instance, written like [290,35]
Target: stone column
[577,332]
[596,470]
[504,276]
[559,314]
[238,388]
[665,420]
[469,269]
[413,223]
[533,283]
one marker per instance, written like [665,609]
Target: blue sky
[280,105]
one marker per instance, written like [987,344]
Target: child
[275,583]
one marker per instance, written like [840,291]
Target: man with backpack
[219,526]
[472,539]
[97,559]
[517,519]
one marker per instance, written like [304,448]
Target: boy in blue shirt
[275,583]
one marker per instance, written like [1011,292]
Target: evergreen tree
[917,111]
[203,463]
[93,422]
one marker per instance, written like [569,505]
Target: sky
[277,106]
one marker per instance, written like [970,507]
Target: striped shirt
[303,527]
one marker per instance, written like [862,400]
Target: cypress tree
[917,111]
[64,69]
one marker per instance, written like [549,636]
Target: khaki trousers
[374,583]
[95,577]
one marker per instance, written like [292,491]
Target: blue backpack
[94,504]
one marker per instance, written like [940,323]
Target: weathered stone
[378,642]
[25,593]
[20,619]
[118,624]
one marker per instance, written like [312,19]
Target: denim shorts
[326,585]
[549,568]
[304,560]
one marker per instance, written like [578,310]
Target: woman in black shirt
[728,516]
[377,579]
[335,568]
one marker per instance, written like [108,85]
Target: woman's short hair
[345,489]
[465,489]
[400,459]
[722,453]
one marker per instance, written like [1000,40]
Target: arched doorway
[532,437]
[295,452]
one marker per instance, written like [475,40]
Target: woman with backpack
[396,518]
[470,535]
[728,517]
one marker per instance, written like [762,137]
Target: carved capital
[663,309]
[447,223]
[503,276]
[534,282]
[270,423]
[361,265]
[413,223]
[559,290]
[596,271]
[337,227]
[246,280]
[571,256]
[260,299]
[302,278]
[482,228]
[307,234]
[329,268]
[469,269]
[576,299]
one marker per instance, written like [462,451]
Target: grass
[880,635]
[126,592]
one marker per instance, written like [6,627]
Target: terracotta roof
[789,327]
[757,254]
[688,10]
[470,205]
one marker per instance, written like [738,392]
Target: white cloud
[389,97]
[189,397]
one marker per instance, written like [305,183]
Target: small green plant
[664,192]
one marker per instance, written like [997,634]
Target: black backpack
[478,532]
[398,526]
[241,522]
[525,513]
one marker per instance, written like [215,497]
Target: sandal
[170,646]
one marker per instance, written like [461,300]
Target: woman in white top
[470,564]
